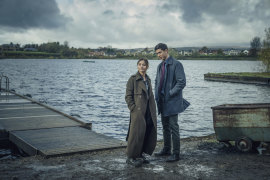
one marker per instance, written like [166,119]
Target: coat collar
[170,60]
[138,76]
[141,83]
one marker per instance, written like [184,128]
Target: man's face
[162,54]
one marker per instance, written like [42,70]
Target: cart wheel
[244,144]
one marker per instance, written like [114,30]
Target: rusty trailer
[246,124]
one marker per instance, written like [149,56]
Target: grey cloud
[31,14]
[262,10]
[140,16]
[170,6]
[108,12]
[225,12]
[194,9]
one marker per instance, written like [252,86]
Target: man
[169,84]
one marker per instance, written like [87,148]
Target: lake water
[96,91]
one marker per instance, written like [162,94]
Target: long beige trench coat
[136,99]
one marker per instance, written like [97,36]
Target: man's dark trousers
[171,131]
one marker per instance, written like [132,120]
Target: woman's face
[142,67]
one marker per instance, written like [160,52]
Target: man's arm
[180,79]
[156,83]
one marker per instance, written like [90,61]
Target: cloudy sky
[134,23]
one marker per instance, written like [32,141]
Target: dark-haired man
[169,84]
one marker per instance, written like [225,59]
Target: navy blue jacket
[174,83]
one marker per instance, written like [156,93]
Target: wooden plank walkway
[39,129]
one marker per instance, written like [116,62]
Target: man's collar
[168,60]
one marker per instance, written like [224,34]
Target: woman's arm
[129,97]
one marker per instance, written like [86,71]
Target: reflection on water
[95,91]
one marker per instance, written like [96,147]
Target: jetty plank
[59,141]
[36,122]
[25,111]
[8,97]
[37,129]
[13,101]
[15,105]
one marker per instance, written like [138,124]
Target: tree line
[44,50]
[262,49]
[258,48]
[265,50]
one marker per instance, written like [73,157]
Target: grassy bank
[242,74]
[28,55]
[246,58]
[259,78]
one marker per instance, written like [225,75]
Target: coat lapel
[140,82]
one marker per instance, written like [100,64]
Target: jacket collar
[169,60]
[141,83]
[138,76]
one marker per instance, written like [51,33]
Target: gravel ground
[201,158]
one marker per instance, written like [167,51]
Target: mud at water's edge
[201,158]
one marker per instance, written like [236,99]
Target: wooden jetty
[38,129]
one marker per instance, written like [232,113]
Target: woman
[142,133]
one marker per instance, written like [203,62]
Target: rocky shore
[201,158]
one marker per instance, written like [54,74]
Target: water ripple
[96,91]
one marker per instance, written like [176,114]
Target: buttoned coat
[174,83]
[136,98]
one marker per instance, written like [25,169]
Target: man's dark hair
[161,46]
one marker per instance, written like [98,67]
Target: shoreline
[201,158]
[245,78]
[136,58]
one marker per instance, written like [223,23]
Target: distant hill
[197,48]
[214,47]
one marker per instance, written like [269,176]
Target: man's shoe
[145,161]
[173,158]
[135,162]
[163,153]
